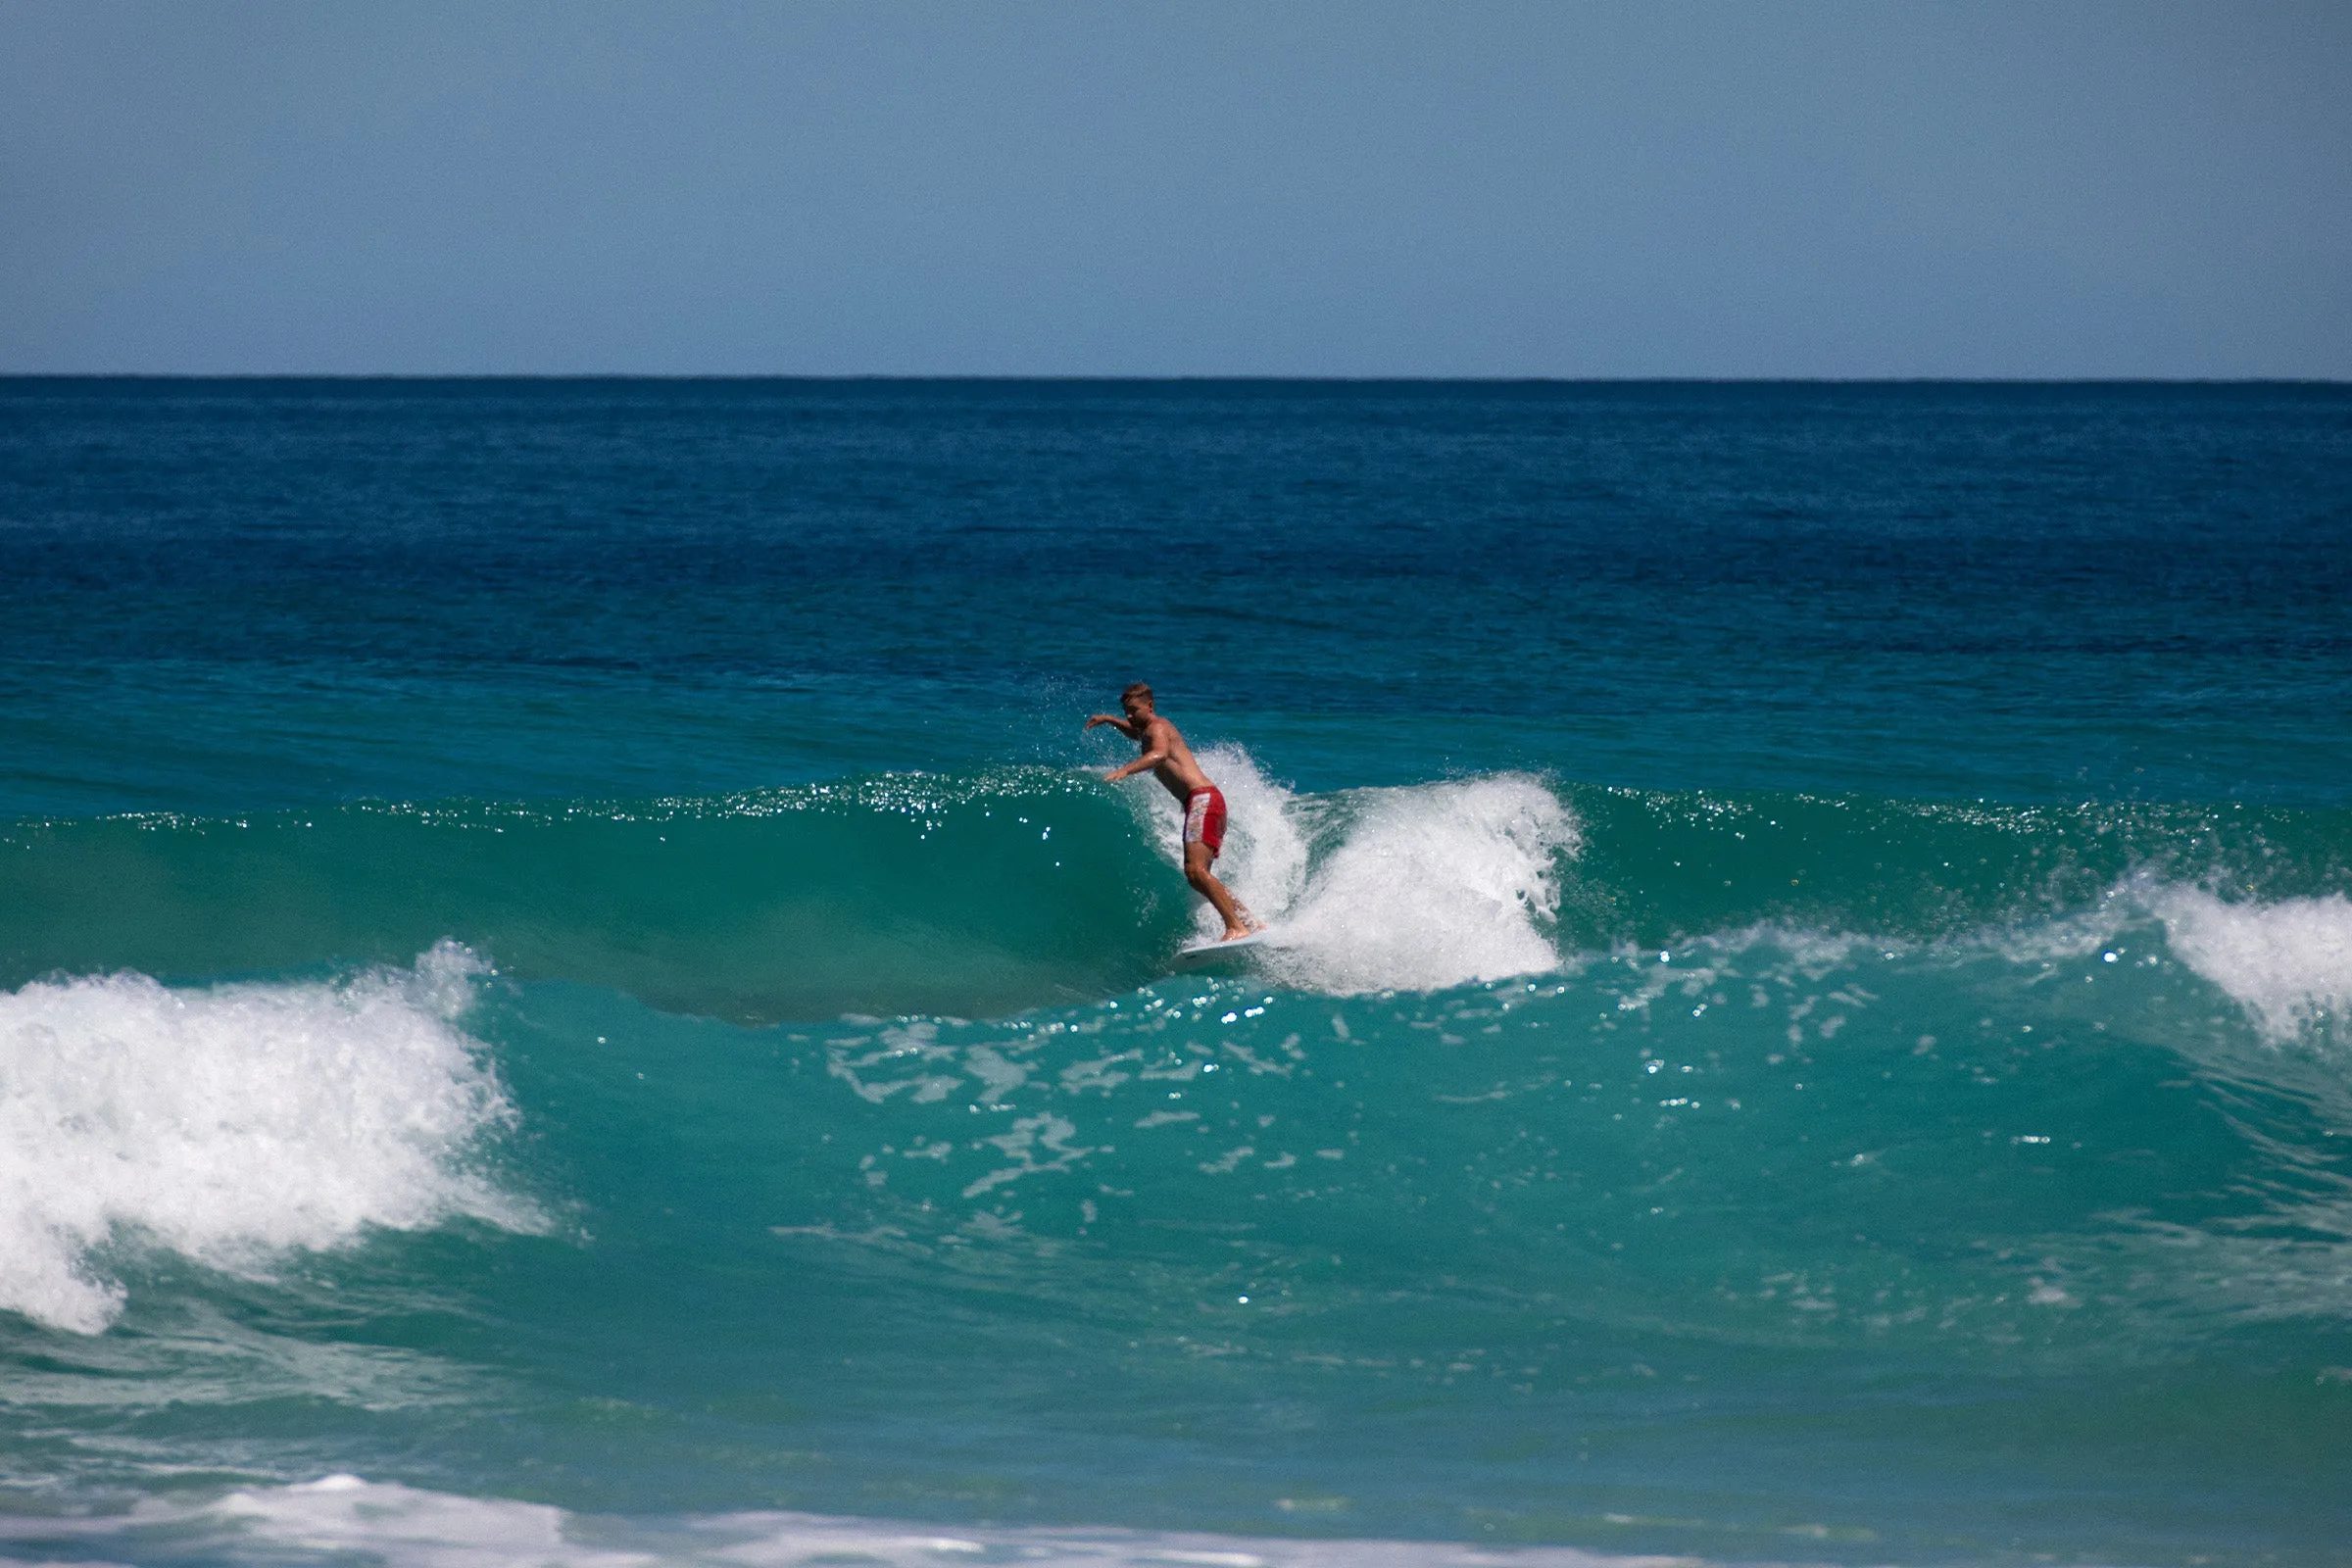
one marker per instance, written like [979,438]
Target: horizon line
[1174,380]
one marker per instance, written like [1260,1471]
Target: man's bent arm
[1147,761]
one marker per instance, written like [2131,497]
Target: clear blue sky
[1281,188]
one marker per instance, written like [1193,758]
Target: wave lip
[233,1124]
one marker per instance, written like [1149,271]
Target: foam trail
[234,1123]
[1411,889]
[407,1527]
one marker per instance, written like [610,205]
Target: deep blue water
[563,956]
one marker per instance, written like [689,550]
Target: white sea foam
[2289,963]
[1392,888]
[406,1527]
[1433,886]
[233,1123]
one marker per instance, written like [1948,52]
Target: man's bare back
[1172,762]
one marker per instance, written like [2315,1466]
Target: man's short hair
[1138,688]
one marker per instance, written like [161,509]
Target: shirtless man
[1171,762]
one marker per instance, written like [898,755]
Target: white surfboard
[1203,953]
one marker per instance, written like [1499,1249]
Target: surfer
[1171,762]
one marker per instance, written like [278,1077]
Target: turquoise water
[569,991]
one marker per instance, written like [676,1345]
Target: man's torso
[1177,772]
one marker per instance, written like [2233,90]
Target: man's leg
[1238,921]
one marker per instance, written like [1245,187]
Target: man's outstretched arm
[1125,726]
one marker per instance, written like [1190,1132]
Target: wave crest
[1411,889]
[233,1124]
[2288,963]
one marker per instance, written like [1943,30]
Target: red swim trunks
[1204,819]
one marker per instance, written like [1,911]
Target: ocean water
[569,991]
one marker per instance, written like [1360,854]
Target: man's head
[1136,701]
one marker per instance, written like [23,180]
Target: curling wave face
[903,893]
